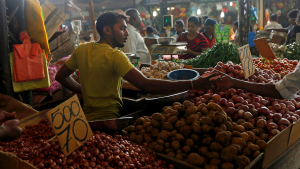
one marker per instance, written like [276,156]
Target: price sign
[276,39]
[70,125]
[246,60]
[264,48]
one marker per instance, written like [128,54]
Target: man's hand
[12,130]
[223,83]
[205,83]
[4,116]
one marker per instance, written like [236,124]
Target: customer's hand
[205,83]
[223,83]
[12,130]
[4,116]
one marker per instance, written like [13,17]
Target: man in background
[274,24]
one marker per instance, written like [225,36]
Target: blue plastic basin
[183,74]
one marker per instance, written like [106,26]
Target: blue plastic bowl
[183,74]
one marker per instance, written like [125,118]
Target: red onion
[284,121]
[272,126]
[261,123]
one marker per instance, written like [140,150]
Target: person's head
[193,24]
[179,24]
[273,17]
[205,17]
[235,25]
[149,29]
[111,26]
[292,15]
[210,26]
[134,17]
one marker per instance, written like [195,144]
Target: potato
[242,162]
[191,119]
[179,124]
[227,165]
[139,127]
[229,119]
[172,154]
[237,147]
[245,136]
[163,136]
[219,117]
[160,142]
[256,154]
[240,128]
[206,128]
[188,104]
[175,145]
[263,136]
[142,132]
[215,107]
[196,147]
[181,108]
[223,126]
[190,110]
[196,159]
[247,152]
[173,119]
[247,125]
[211,112]
[215,146]
[241,121]
[139,139]
[189,142]
[166,107]
[251,136]
[184,156]
[167,116]
[204,111]
[210,166]
[149,129]
[167,145]
[133,138]
[199,114]
[164,119]
[180,138]
[155,124]
[218,129]
[215,161]
[173,133]
[207,140]
[168,126]
[159,148]
[223,137]
[229,154]
[235,134]
[154,132]
[169,150]
[195,138]
[203,151]
[186,149]
[167,110]
[260,130]
[157,116]
[195,127]
[174,113]
[131,128]
[233,125]
[200,107]
[238,141]
[152,145]
[255,131]
[148,139]
[139,121]
[176,104]
[211,155]
[179,156]
[205,120]
[253,147]
[261,144]
[185,131]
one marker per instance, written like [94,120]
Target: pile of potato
[203,136]
[160,69]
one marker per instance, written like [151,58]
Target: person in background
[291,30]
[236,32]
[204,17]
[209,31]
[155,31]
[135,43]
[9,129]
[274,24]
[142,30]
[228,20]
[200,24]
[150,32]
[102,68]
[179,27]
[196,41]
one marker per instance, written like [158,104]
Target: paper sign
[276,39]
[246,60]
[298,38]
[222,33]
[70,125]
[264,48]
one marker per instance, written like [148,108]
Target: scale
[177,48]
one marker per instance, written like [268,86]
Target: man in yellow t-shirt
[102,68]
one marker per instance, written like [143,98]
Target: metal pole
[92,16]
[241,21]
[163,11]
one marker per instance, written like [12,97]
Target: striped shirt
[195,45]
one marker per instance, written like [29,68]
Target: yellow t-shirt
[101,69]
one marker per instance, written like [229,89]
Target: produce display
[202,136]
[160,69]
[290,51]
[101,151]
[222,52]
[278,50]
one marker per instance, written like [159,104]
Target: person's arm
[64,78]
[11,131]
[195,53]
[137,79]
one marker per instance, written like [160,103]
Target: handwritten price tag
[276,39]
[246,60]
[70,125]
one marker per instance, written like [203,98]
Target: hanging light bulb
[230,3]
[199,12]
[222,15]
[158,9]
[154,13]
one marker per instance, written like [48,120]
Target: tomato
[295,62]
